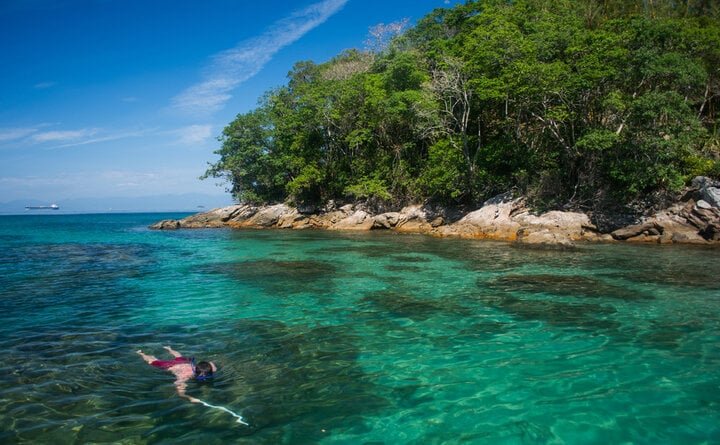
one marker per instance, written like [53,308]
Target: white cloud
[44,85]
[232,67]
[88,139]
[193,134]
[64,135]
[69,138]
[11,134]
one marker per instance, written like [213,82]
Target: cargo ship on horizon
[50,207]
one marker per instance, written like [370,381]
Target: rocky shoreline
[695,219]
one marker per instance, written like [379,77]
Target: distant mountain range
[189,202]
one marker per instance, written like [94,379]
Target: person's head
[203,371]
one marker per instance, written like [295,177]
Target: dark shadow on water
[404,305]
[296,381]
[410,259]
[404,268]
[368,250]
[663,335]
[484,329]
[279,277]
[87,280]
[566,285]
[582,316]
[695,276]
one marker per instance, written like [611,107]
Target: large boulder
[543,237]
[265,217]
[358,220]
[211,219]
[387,220]
[243,213]
[492,221]
[166,224]
[571,226]
[648,228]
[413,219]
[709,190]
[292,219]
[677,224]
[704,218]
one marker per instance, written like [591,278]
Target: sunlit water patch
[352,338]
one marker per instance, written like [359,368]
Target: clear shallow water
[341,338]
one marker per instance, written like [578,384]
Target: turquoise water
[352,338]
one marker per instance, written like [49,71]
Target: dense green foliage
[574,103]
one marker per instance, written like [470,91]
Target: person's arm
[181,386]
[172,351]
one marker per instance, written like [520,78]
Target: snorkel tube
[203,378]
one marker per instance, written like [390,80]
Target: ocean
[324,337]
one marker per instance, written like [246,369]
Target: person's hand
[139,351]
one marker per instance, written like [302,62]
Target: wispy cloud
[44,85]
[96,138]
[13,134]
[193,134]
[129,99]
[64,135]
[232,67]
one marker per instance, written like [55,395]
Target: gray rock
[687,238]
[701,182]
[166,224]
[636,230]
[269,216]
[702,204]
[543,237]
[387,220]
[711,195]
[243,213]
[359,220]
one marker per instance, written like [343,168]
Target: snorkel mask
[200,377]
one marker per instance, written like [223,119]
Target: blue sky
[111,98]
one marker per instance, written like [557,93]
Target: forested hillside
[576,104]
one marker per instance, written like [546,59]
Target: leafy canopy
[570,102]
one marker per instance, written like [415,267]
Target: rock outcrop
[693,221]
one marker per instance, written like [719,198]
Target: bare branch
[380,35]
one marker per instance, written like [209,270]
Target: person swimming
[184,369]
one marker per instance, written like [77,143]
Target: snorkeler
[184,369]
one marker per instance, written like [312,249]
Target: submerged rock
[573,315]
[279,278]
[300,377]
[408,306]
[567,285]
